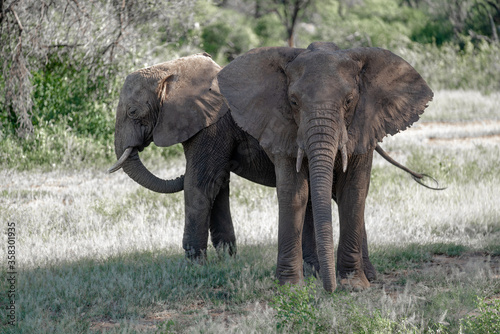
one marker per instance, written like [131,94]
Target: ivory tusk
[300,156]
[343,151]
[120,161]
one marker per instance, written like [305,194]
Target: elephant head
[166,104]
[319,102]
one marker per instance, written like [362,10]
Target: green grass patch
[389,257]
[134,285]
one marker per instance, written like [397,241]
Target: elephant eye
[132,113]
[293,101]
[349,100]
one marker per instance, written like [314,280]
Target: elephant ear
[188,102]
[256,89]
[392,96]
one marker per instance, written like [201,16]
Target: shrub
[487,321]
[295,308]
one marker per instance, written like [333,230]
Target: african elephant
[175,102]
[330,106]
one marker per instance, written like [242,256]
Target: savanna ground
[98,253]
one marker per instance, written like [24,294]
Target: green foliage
[373,322]
[74,102]
[229,35]
[436,31]
[214,37]
[66,94]
[269,30]
[486,321]
[295,307]
[54,144]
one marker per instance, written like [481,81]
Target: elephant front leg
[221,224]
[352,189]
[197,220]
[292,189]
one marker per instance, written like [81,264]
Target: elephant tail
[416,176]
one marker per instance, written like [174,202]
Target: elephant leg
[221,224]
[352,189]
[197,220]
[368,268]
[292,190]
[309,254]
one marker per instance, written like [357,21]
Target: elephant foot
[311,265]
[197,256]
[370,272]
[311,269]
[354,282]
[224,249]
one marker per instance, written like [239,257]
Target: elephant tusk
[343,151]
[120,161]
[300,157]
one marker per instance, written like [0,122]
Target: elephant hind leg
[221,224]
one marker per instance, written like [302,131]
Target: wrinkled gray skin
[330,107]
[175,102]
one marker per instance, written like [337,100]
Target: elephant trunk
[323,141]
[135,169]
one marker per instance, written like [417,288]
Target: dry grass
[97,252]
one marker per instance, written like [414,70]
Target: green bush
[66,94]
[437,31]
[73,119]
[486,321]
[228,35]
[295,307]
[73,104]
[215,36]
[269,30]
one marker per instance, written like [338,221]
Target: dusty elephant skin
[314,103]
[175,102]
[178,102]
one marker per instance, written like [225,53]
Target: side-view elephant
[330,106]
[175,102]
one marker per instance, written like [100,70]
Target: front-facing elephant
[330,106]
